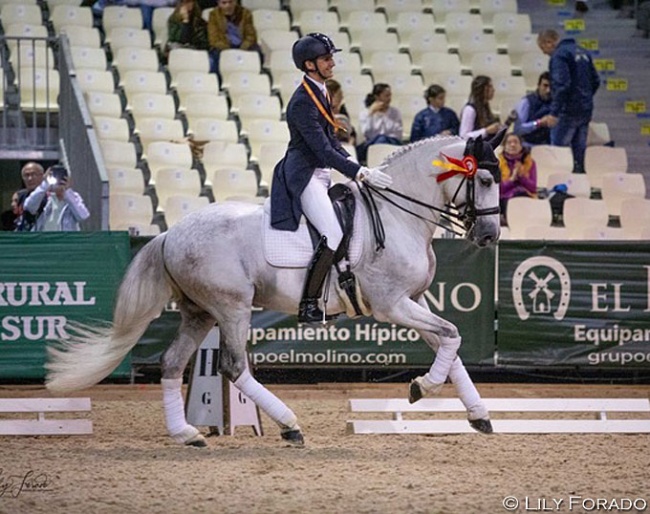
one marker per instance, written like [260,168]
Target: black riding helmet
[311,47]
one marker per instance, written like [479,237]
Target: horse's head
[471,183]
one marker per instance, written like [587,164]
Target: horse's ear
[498,138]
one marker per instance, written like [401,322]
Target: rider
[301,179]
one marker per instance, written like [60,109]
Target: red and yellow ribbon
[467,166]
[321,108]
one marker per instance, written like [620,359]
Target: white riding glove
[375,177]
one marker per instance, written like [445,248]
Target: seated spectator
[436,118]
[532,111]
[64,208]
[346,132]
[380,123]
[518,172]
[147,7]
[476,118]
[11,216]
[230,26]
[186,28]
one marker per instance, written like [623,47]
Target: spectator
[345,132]
[518,173]
[147,7]
[380,123]
[11,216]
[186,27]
[436,118]
[230,26]
[476,118]
[532,111]
[32,174]
[574,82]
[64,207]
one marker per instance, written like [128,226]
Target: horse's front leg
[477,412]
[410,314]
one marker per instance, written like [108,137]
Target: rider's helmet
[311,47]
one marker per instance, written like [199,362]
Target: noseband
[468,213]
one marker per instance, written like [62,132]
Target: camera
[512,117]
[57,173]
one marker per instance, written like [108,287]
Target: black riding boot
[318,269]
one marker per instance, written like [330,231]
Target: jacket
[428,123]
[218,29]
[312,145]
[574,80]
[73,212]
[193,34]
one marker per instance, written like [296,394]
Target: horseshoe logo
[541,295]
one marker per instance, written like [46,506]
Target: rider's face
[325,65]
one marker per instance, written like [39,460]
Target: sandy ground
[130,465]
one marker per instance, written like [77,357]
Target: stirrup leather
[347,287]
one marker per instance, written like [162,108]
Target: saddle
[294,249]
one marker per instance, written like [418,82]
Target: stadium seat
[505,24]
[457,24]
[635,213]
[491,8]
[345,8]
[118,154]
[140,81]
[246,83]
[177,207]
[121,16]
[442,8]
[201,105]
[27,14]
[266,131]
[125,37]
[186,59]
[104,104]
[271,19]
[176,181]
[125,181]
[95,80]
[219,154]
[39,90]
[116,129]
[270,155]
[519,44]
[159,25]
[165,155]
[618,188]
[144,105]
[158,129]
[523,212]
[67,15]
[432,64]
[209,129]
[600,160]
[580,213]
[125,210]
[194,82]
[229,182]
[82,36]
[138,59]
[551,159]
[316,20]
[89,57]
[252,107]
[577,183]
[233,61]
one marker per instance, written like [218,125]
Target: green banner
[49,279]
[462,292]
[574,304]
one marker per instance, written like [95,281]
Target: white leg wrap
[467,391]
[177,426]
[447,352]
[267,401]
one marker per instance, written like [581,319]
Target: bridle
[453,222]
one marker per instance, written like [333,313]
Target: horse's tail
[91,353]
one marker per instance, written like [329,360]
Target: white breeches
[317,207]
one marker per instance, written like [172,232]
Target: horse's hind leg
[195,325]
[233,330]
[477,412]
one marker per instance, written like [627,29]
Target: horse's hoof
[415,392]
[484,426]
[293,437]
[198,441]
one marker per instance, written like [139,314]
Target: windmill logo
[541,285]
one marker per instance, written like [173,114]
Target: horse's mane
[441,141]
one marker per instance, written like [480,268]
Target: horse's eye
[486,181]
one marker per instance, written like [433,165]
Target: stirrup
[310,312]
[347,287]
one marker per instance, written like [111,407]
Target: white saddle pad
[286,249]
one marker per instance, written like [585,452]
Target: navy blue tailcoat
[312,145]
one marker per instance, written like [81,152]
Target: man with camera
[64,208]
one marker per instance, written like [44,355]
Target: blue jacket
[428,123]
[313,144]
[574,80]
